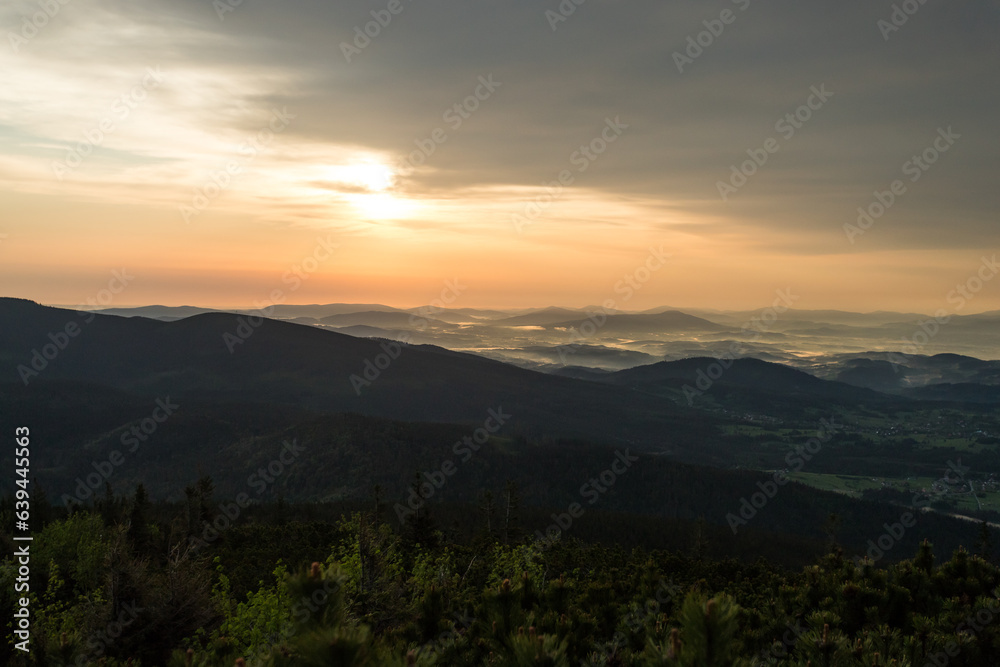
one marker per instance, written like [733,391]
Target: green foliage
[255,624]
[371,597]
[78,547]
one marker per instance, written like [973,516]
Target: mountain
[158,312]
[539,318]
[874,374]
[373,411]
[965,392]
[341,456]
[630,325]
[278,311]
[458,315]
[223,357]
[593,356]
[384,319]
[747,382]
[319,311]
[894,372]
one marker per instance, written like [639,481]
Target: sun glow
[367,185]
[367,176]
[382,205]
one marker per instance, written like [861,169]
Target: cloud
[225,76]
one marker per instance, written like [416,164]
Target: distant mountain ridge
[669,321]
[746,373]
[277,362]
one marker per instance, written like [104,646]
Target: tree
[984,543]
[138,530]
[487,506]
[511,515]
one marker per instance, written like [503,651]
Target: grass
[854,485]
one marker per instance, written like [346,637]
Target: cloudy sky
[211,148]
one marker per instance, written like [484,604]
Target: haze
[118,122]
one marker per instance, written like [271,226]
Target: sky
[232,153]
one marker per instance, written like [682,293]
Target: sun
[367,185]
[374,177]
[382,205]
[366,176]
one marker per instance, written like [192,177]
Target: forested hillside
[133,583]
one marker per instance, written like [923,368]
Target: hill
[631,325]
[223,357]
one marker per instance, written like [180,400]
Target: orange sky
[113,145]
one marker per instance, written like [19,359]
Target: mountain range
[380,410]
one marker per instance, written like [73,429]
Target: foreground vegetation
[126,582]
